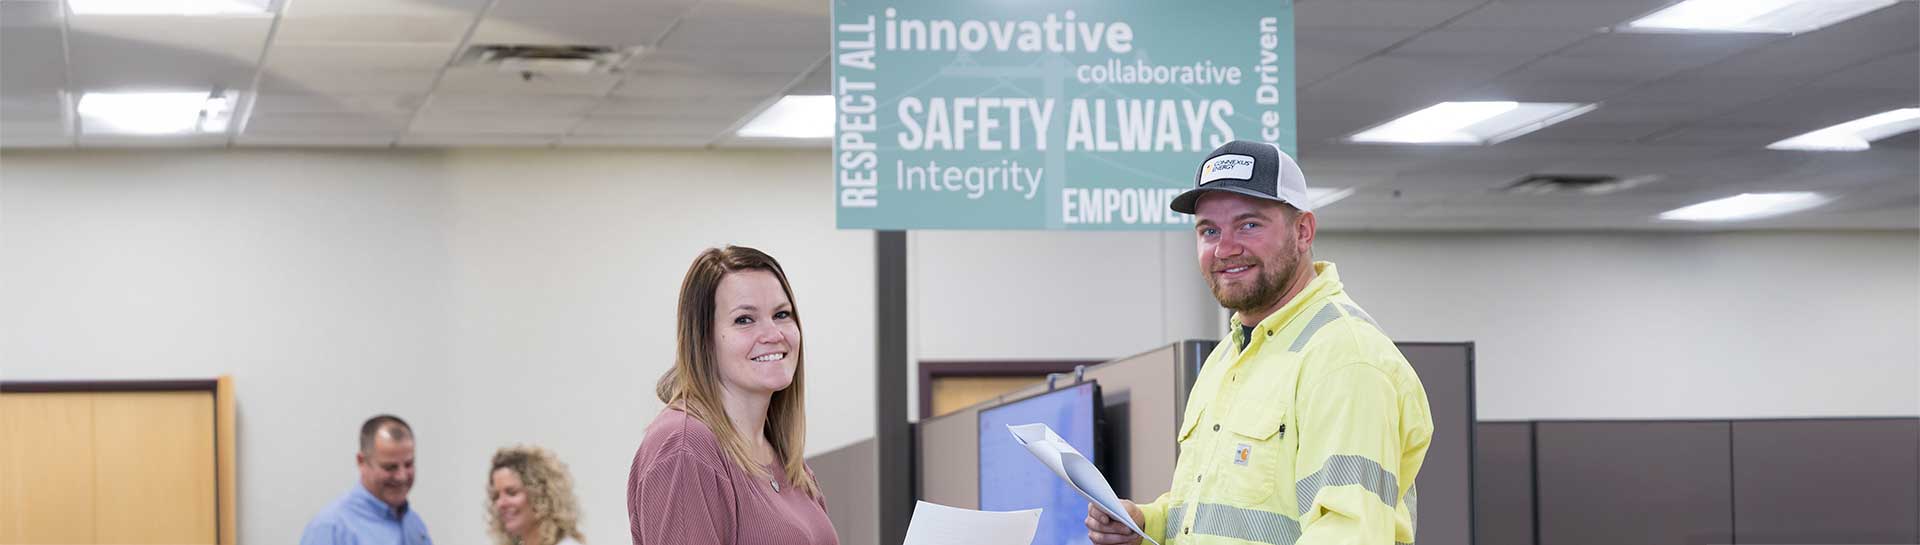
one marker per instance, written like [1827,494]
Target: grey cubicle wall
[1150,391]
[1799,481]
[1826,481]
[1608,483]
[1446,479]
[1503,483]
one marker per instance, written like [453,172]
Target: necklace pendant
[776,485]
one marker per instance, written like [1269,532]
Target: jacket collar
[1326,283]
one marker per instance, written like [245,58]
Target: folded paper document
[1074,468]
[935,524]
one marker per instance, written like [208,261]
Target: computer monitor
[1011,479]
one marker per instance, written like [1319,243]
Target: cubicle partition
[1144,396]
[1793,481]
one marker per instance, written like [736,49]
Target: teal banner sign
[1046,114]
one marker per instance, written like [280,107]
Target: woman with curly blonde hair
[530,499]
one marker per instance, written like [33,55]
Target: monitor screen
[1011,479]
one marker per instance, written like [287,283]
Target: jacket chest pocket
[1258,454]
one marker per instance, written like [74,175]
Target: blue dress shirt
[359,518]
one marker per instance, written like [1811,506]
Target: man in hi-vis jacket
[1306,425]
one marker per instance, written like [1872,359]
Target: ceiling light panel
[1471,123]
[795,116]
[1856,135]
[1757,16]
[1747,206]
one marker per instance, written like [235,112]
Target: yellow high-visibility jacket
[1310,432]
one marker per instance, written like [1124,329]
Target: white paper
[935,524]
[1074,468]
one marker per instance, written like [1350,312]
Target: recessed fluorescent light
[1471,122]
[1746,206]
[795,116]
[174,112]
[1768,16]
[1854,135]
[1322,196]
[168,7]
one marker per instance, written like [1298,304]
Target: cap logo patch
[1238,167]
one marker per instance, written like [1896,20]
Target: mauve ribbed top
[682,490]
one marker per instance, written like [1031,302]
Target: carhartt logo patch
[1241,454]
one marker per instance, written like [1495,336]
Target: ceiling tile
[312,56]
[692,85]
[386,8]
[623,30]
[808,33]
[165,52]
[1409,82]
[1643,56]
[30,61]
[278,103]
[32,106]
[372,29]
[1817,108]
[733,9]
[734,107]
[588,9]
[1900,72]
[619,125]
[1378,13]
[476,140]
[514,103]
[1524,44]
[325,124]
[1578,17]
[782,60]
[19,15]
[486,80]
[458,123]
[316,141]
[647,141]
[1863,39]
[1320,52]
[354,82]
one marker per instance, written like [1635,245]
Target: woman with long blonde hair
[530,499]
[723,463]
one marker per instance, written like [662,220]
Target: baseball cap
[1254,169]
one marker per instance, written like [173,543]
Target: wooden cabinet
[119,463]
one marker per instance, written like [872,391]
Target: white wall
[1566,325]
[1600,326]
[488,296]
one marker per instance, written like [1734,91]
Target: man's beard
[1267,288]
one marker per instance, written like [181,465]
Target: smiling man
[1306,425]
[375,511]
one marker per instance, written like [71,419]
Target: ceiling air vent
[1589,184]
[547,59]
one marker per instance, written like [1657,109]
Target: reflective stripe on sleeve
[1346,469]
[1248,524]
[1174,522]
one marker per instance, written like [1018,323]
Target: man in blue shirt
[375,512]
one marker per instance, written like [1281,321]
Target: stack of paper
[935,524]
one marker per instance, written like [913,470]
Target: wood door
[46,469]
[154,467]
[122,468]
